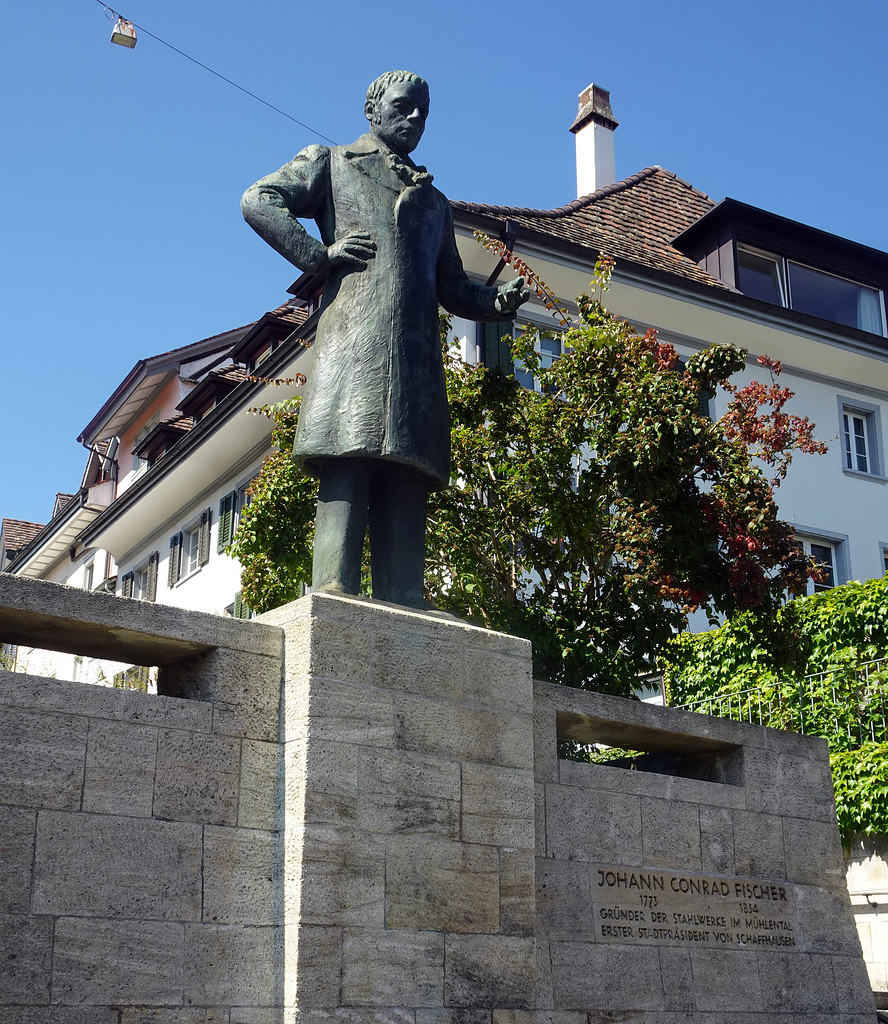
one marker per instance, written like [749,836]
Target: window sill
[187,576]
[875,477]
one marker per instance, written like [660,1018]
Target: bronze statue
[374,425]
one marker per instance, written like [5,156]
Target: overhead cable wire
[193,60]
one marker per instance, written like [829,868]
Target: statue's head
[397,106]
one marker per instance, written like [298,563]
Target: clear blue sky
[122,169]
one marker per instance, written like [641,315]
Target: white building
[173,448]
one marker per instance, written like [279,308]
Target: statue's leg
[398,498]
[340,525]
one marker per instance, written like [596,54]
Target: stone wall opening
[582,738]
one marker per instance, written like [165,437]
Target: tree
[591,513]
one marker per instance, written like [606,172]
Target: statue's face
[399,117]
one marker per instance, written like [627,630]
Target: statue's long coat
[376,388]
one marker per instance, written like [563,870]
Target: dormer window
[784,282]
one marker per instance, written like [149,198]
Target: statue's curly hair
[379,85]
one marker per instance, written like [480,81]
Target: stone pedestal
[409,840]
[867,874]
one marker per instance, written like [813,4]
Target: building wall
[212,587]
[162,406]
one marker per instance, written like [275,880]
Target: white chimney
[594,128]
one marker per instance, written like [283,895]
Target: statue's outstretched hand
[510,296]
[357,250]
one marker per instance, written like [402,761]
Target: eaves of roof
[58,536]
[146,376]
[244,396]
[734,210]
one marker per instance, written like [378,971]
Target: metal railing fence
[847,705]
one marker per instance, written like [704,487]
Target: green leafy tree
[589,514]
[276,529]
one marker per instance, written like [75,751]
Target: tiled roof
[61,502]
[235,374]
[181,423]
[634,219]
[18,533]
[292,314]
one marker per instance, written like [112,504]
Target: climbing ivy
[800,669]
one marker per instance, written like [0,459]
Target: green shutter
[227,512]
[175,548]
[153,560]
[204,553]
[126,585]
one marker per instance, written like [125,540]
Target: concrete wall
[711,874]
[390,837]
[138,832]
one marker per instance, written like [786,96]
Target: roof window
[784,282]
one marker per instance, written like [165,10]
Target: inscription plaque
[655,907]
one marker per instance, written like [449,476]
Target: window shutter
[497,354]
[205,535]
[238,606]
[126,585]
[227,512]
[153,559]
[175,549]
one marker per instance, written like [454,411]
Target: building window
[860,436]
[856,453]
[88,573]
[784,282]
[141,583]
[823,556]
[190,549]
[761,276]
[829,555]
[495,352]
[238,609]
[140,437]
[231,507]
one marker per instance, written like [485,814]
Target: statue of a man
[374,425]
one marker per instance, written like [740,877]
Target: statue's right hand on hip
[356,250]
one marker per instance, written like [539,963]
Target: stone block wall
[350,813]
[139,872]
[408,844]
[707,886]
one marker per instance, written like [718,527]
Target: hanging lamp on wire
[124,32]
